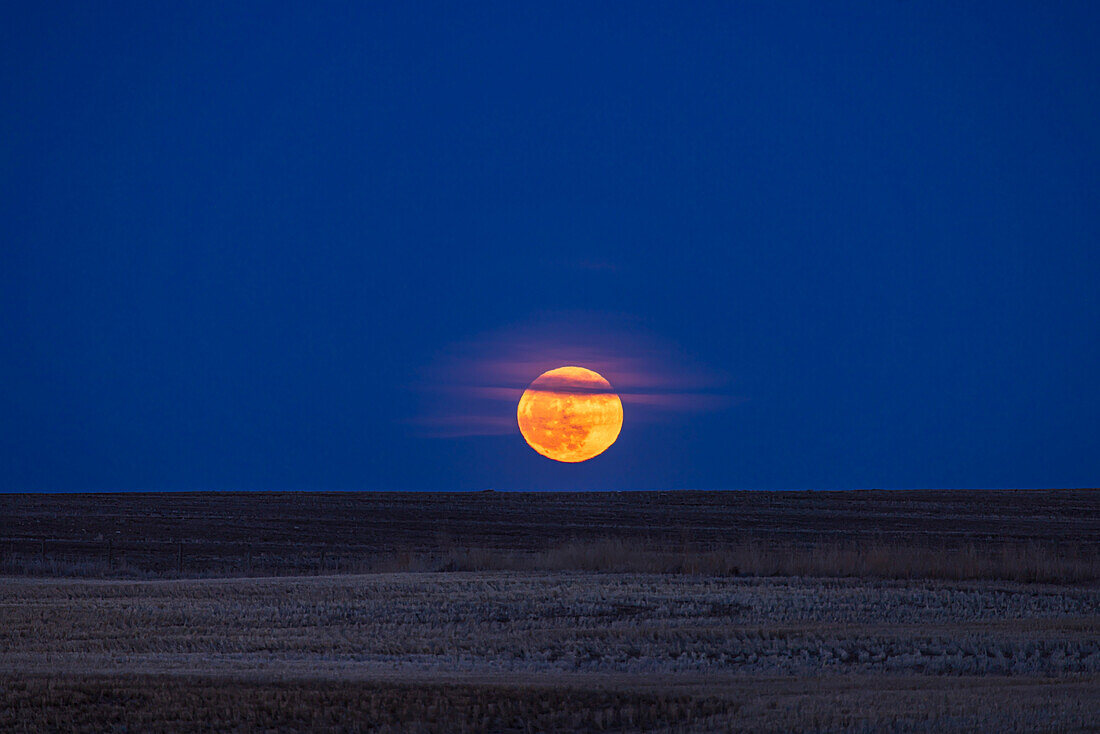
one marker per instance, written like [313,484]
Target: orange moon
[570,414]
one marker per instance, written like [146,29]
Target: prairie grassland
[1024,562]
[679,611]
[1046,536]
[203,704]
[516,651]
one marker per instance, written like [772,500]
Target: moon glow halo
[570,414]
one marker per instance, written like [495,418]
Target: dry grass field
[519,652]
[1021,535]
[713,614]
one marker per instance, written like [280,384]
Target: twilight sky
[325,245]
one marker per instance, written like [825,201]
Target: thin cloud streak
[474,386]
[463,425]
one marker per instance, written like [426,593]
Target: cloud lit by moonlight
[473,387]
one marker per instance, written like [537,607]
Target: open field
[1014,535]
[157,703]
[454,651]
[669,612]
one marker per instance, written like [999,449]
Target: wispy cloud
[472,387]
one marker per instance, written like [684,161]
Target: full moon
[570,414]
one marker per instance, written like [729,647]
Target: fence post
[321,563]
[42,551]
[110,553]
[179,559]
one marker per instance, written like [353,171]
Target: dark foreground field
[923,533]
[676,611]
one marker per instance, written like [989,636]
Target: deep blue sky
[240,245]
